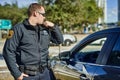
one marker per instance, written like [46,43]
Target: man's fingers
[25,75]
[48,24]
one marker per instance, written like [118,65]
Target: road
[53,50]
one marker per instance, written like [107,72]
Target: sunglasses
[43,14]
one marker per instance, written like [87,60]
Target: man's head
[36,13]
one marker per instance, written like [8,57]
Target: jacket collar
[29,26]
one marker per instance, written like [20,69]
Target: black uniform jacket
[29,45]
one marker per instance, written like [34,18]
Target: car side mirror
[64,56]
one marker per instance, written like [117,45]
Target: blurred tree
[72,13]
[13,13]
[118,23]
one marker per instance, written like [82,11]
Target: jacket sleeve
[56,35]
[9,52]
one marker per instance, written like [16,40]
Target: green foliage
[12,13]
[67,13]
[73,13]
[118,23]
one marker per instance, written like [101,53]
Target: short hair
[33,7]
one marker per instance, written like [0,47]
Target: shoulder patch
[10,34]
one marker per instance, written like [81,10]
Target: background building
[111,10]
[102,4]
[118,10]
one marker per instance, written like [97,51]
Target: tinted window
[114,58]
[91,51]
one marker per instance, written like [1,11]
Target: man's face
[40,15]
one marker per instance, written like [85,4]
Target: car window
[91,51]
[114,58]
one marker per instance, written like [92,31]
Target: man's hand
[22,76]
[48,24]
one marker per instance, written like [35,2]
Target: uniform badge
[10,34]
[45,32]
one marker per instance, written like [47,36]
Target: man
[26,49]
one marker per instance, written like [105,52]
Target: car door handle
[83,77]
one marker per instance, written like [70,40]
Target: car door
[65,72]
[85,59]
[111,67]
[97,70]
[82,61]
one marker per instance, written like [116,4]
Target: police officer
[26,49]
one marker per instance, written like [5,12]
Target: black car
[87,61]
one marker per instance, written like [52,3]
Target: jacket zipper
[39,42]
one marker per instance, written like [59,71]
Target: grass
[63,77]
[4,74]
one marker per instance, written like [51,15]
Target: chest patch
[45,32]
[10,34]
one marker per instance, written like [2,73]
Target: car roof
[106,31]
[109,30]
